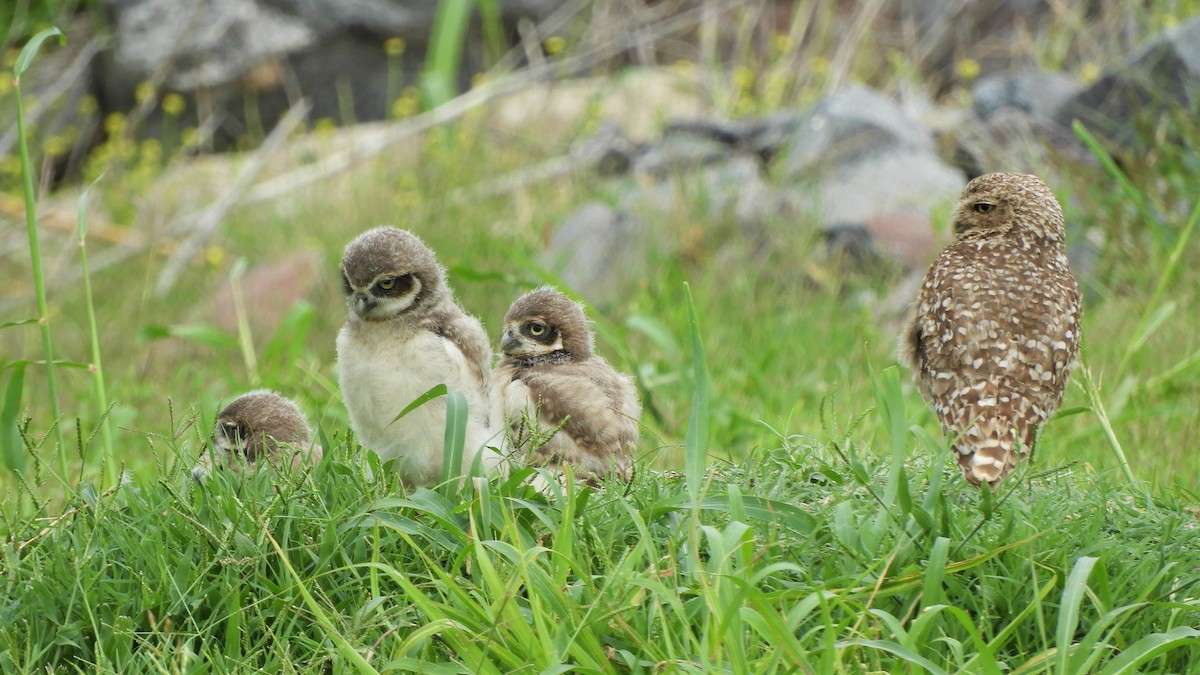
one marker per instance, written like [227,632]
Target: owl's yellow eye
[537,329]
[983,207]
[388,283]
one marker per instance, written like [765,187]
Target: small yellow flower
[967,69]
[55,146]
[819,65]
[144,92]
[1089,72]
[173,104]
[394,46]
[114,124]
[743,78]
[684,68]
[215,255]
[405,106]
[783,44]
[324,126]
[554,44]
[151,150]
[10,165]
[88,105]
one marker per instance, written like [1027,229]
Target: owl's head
[257,424]
[543,324]
[1014,204]
[388,272]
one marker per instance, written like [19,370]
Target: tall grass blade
[439,82]
[344,647]
[456,436]
[245,338]
[1149,647]
[1092,390]
[1165,277]
[29,52]
[1110,167]
[1068,611]
[98,388]
[12,450]
[696,443]
[23,61]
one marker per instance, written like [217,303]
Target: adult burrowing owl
[549,379]
[259,425]
[405,334]
[996,327]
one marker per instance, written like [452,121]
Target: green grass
[794,508]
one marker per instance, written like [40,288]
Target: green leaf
[1068,617]
[22,322]
[893,648]
[696,441]
[1149,647]
[197,333]
[11,448]
[30,50]
[434,392]
[456,434]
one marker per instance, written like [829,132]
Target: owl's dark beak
[509,341]
[361,303]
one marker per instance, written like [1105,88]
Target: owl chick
[404,334]
[995,330]
[550,378]
[256,425]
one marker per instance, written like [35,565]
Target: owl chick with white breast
[258,426]
[404,334]
[995,331]
[550,377]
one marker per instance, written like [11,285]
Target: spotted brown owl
[995,330]
[550,378]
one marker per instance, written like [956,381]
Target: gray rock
[847,126]
[201,44]
[856,154]
[1162,77]
[1036,92]
[597,250]
[231,56]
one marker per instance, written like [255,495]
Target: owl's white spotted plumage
[404,334]
[995,332]
[259,426]
[550,377]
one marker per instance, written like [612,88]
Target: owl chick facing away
[404,334]
[550,378]
[259,425]
[995,331]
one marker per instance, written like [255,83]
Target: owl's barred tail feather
[990,448]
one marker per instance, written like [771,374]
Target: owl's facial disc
[229,436]
[532,337]
[388,295]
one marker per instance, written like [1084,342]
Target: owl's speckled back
[995,330]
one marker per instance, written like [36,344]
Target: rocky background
[873,166]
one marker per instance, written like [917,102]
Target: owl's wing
[466,334]
[598,410]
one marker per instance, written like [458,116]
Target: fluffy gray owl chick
[995,330]
[550,376]
[259,425]
[404,334]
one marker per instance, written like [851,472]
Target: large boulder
[245,62]
[1161,78]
